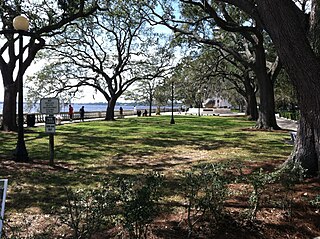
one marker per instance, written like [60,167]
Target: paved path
[287,124]
[282,122]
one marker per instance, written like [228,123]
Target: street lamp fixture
[21,24]
[172,119]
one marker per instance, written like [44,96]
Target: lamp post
[172,119]
[199,95]
[21,24]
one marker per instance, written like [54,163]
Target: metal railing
[64,116]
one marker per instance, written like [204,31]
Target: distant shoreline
[89,107]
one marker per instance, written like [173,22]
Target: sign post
[50,106]
[50,125]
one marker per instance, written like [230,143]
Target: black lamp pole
[21,150]
[172,119]
[199,102]
[21,25]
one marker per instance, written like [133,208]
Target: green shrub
[139,201]
[257,179]
[293,115]
[288,176]
[88,211]
[316,202]
[206,190]
[21,230]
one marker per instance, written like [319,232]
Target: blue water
[88,107]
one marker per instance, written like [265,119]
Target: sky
[89,95]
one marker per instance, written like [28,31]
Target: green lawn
[91,153]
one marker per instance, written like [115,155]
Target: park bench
[193,111]
[208,111]
[293,136]
[3,193]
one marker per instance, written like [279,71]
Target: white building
[216,102]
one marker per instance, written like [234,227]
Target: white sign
[50,124]
[3,194]
[49,106]
[50,129]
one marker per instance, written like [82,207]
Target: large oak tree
[47,18]
[211,23]
[109,51]
[289,27]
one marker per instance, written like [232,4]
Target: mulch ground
[281,214]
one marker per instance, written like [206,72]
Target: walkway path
[287,124]
[282,122]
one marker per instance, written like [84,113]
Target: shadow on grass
[91,153]
[139,135]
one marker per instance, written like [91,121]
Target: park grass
[88,154]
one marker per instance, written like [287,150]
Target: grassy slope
[94,152]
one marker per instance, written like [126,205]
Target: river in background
[88,107]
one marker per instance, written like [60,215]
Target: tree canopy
[233,31]
[47,19]
[108,51]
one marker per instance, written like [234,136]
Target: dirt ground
[281,215]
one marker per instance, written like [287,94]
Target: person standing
[70,112]
[82,114]
[121,112]
[145,113]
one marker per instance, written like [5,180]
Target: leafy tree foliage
[188,82]
[213,72]
[109,52]
[144,92]
[290,29]
[47,19]
[224,26]
[285,94]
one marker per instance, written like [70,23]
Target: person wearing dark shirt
[81,113]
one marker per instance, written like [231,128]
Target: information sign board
[49,106]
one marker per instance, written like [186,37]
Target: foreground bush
[130,206]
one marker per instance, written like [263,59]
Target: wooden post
[51,148]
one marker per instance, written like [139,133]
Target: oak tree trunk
[285,24]
[251,100]
[251,106]
[314,33]
[8,74]
[9,117]
[150,106]
[267,118]
[110,109]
